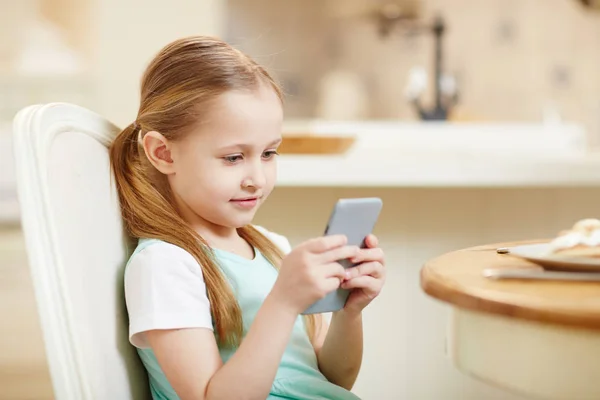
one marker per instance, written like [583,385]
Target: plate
[538,253]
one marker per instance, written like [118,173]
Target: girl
[214,301]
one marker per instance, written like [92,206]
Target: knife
[533,274]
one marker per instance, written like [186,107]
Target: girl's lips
[248,202]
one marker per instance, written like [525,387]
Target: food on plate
[582,240]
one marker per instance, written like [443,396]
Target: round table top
[456,278]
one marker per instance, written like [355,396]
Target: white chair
[77,250]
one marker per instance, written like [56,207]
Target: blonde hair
[176,91]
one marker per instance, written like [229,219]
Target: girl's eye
[270,154]
[233,159]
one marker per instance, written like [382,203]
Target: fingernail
[347,274]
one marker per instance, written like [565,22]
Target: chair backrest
[77,249]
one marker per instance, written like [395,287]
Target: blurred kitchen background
[436,96]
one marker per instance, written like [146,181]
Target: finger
[363,255]
[340,253]
[332,284]
[371,241]
[368,284]
[374,269]
[333,270]
[325,243]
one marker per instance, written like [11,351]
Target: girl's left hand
[366,279]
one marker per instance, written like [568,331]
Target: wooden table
[537,338]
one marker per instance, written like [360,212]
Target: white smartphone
[356,219]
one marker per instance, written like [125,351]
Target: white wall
[405,329]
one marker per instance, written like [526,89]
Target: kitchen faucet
[445,91]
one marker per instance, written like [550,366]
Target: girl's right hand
[311,271]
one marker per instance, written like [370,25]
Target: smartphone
[356,219]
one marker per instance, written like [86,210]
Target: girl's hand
[310,271]
[366,279]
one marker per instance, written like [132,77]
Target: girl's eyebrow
[275,142]
[244,146]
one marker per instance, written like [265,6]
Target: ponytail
[148,214]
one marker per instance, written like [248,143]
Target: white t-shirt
[165,289]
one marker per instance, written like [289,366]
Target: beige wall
[73,17]
[24,373]
[127,34]
[115,39]
[512,57]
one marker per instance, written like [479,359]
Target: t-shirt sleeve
[164,289]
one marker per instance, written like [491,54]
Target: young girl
[214,302]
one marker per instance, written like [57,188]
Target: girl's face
[226,167]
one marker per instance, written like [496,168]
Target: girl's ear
[158,152]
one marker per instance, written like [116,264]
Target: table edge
[430,284]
